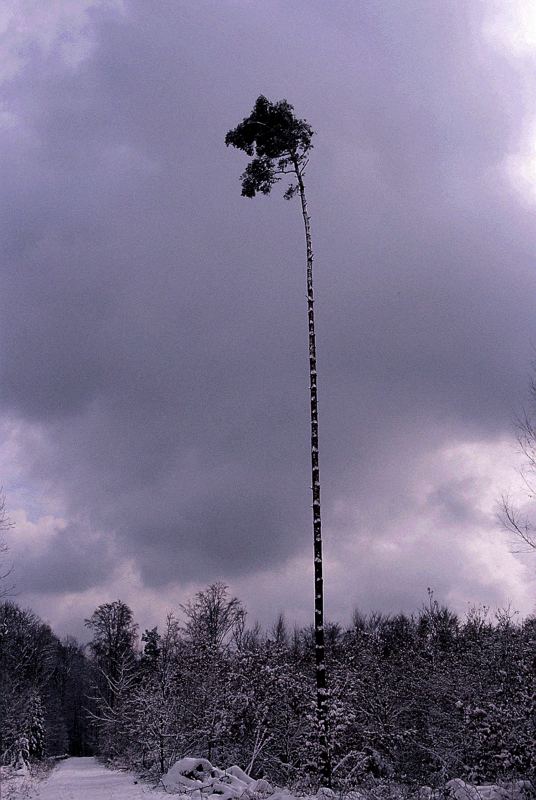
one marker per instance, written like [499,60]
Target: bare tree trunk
[320,651]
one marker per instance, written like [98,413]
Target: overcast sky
[153,337]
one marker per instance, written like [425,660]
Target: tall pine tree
[279,144]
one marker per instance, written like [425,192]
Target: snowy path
[86,779]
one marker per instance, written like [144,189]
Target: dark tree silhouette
[279,144]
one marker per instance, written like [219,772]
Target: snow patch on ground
[198,779]
[82,779]
[18,784]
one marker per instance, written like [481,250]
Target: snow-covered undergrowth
[19,784]
[512,790]
[198,779]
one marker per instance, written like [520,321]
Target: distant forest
[415,699]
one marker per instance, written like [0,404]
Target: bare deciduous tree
[213,618]
[514,519]
[5,525]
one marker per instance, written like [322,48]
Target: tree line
[416,699]
[44,685]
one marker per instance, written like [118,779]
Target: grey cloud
[455,502]
[153,321]
[73,560]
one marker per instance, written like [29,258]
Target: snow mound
[514,790]
[198,779]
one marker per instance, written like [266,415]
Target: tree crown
[277,141]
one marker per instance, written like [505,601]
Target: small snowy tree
[213,627]
[21,754]
[112,648]
[112,645]
[157,700]
[35,726]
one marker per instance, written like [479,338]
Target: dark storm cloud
[69,560]
[153,321]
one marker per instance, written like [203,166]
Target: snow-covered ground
[198,779]
[15,786]
[83,779]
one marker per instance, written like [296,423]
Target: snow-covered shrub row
[197,779]
[415,700]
